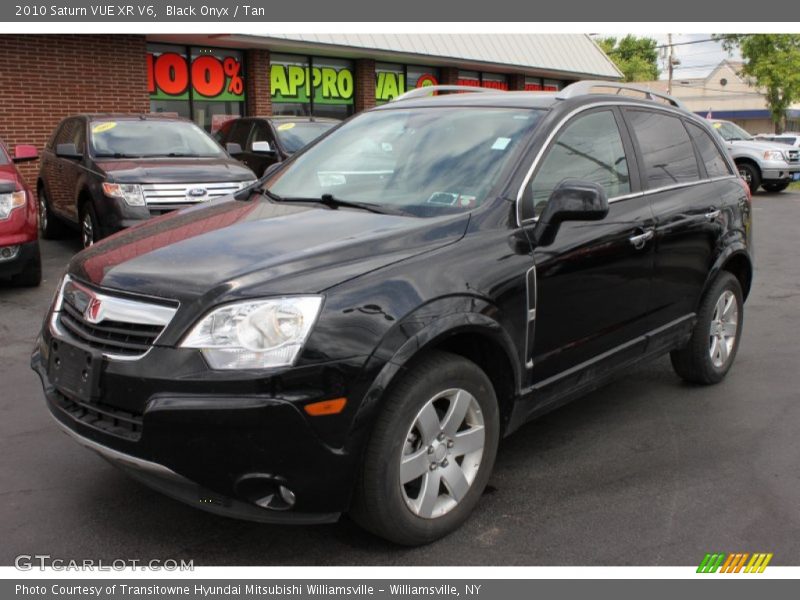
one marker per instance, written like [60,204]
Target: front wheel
[431,452]
[90,230]
[775,187]
[751,176]
[708,356]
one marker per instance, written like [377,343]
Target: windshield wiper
[117,155]
[333,202]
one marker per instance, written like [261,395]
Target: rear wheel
[50,227]
[712,348]
[751,175]
[431,452]
[775,187]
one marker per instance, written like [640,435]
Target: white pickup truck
[770,165]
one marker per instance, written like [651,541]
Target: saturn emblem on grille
[94,310]
[196,193]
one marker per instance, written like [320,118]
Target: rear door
[682,167]
[72,169]
[56,169]
[592,284]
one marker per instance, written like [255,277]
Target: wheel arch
[737,262]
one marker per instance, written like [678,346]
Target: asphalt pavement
[646,471]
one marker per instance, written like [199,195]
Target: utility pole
[670,63]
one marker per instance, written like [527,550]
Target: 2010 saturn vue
[357,332]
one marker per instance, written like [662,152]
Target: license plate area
[795,176]
[74,371]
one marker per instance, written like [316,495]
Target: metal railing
[580,88]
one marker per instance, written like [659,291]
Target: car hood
[759,146]
[256,247]
[174,170]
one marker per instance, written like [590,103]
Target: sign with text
[171,75]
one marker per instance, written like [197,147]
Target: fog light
[266,491]
[8,253]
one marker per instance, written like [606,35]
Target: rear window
[668,153]
[716,165]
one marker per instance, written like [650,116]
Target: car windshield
[730,131]
[424,162]
[150,138]
[293,135]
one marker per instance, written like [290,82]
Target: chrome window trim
[557,129]
[116,309]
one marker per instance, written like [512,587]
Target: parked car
[103,173]
[760,163]
[328,344]
[20,259]
[264,141]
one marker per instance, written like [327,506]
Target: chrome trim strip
[120,458]
[557,129]
[531,316]
[126,311]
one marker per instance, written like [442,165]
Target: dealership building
[211,78]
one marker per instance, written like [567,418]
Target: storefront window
[487,80]
[533,84]
[552,85]
[393,80]
[202,84]
[323,87]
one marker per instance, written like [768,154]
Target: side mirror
[233,148]
[262,147]
[25,153]
[67,151]
[572,200]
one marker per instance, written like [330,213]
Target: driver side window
[588,148]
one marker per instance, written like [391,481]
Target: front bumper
[778,170]
[220,444]
[26,256]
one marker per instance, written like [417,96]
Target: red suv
[19,237]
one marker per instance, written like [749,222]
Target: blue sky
[698,59]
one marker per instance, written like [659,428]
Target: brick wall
[259,100]
[365,84]
[44,78]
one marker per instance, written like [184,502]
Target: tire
[32,275]
[50,228]
[402,512]
[701,361]
[751,175]
[775,187]
[90,229]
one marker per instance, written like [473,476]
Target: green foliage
[773,61]
[636,57]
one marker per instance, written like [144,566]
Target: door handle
[712,214]
[640,240]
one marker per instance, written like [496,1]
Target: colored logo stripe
[734,562]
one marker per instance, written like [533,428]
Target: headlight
[256,334]
[9,202]
[244,184]
[132,194]
[773,155]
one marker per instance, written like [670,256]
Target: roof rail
[585,87]
[430,89]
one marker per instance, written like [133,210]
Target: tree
[773,61]
[636,57]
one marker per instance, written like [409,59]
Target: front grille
[115,337]
[793,156]
[164,197]
[103,417]
[119,327]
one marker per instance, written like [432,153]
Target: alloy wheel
[724,324]
[87,230]
[42,212]
[442,453]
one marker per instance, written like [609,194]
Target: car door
[53,168]
[72,168]
[592,283]
[689,183]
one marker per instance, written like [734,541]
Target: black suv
[359,331]
[103,173]
[260,142]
